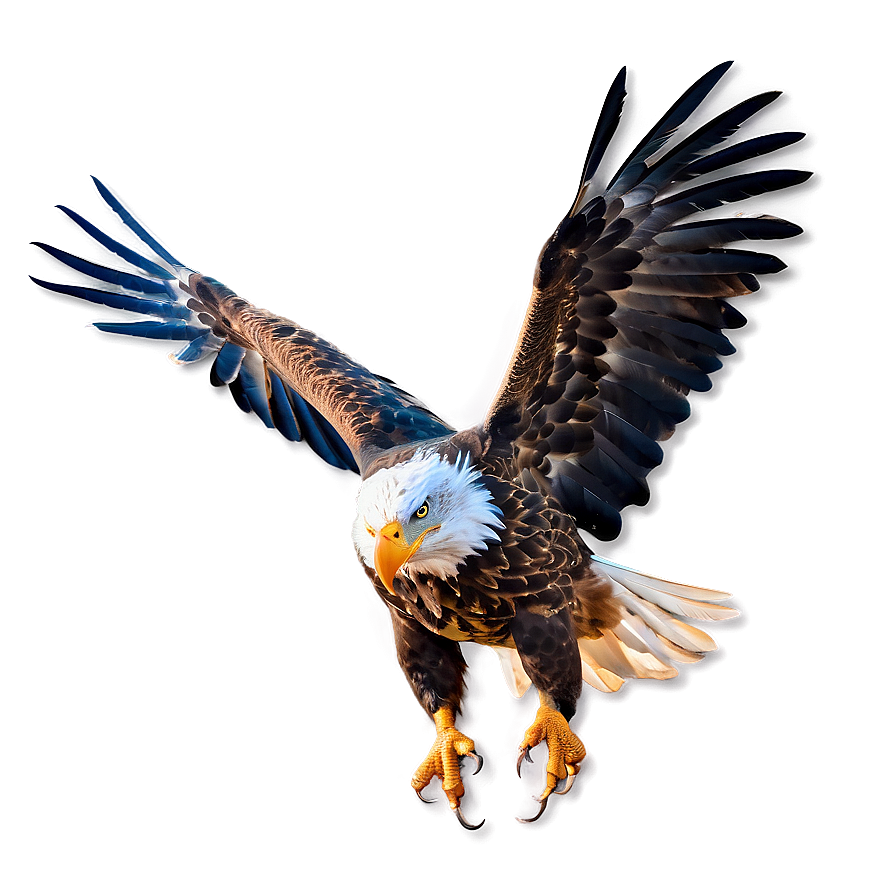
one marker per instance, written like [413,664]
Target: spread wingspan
[290,378]
[630,303]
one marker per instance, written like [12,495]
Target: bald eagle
[476,535]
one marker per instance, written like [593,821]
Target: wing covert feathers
[630,304]
[292,380]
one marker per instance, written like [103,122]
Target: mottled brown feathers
[539,565]
[369,412]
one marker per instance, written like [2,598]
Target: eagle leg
[443,762]
[434,667]
[545,639]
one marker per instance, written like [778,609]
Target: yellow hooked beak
[392,551]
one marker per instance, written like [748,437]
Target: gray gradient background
[171,719]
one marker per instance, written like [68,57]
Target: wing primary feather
[606,126]
[631,170]
[731,189]
[154,329]
[691,149]
[119,249]
[710,261]
[740,152]
[698,235]
[121,301]
[132,282]
[133,224]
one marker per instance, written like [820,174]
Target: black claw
[524,754]
[569,782]
[422,798]
[478,761]
[464,822]
[538,814]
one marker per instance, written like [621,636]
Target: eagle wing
[630,303]
[289,377]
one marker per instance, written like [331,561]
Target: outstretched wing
[289,377]
[629,306]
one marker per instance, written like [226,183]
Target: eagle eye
[422,510]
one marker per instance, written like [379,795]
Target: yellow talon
[443,762]
[565,752]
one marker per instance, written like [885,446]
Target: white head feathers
[457,501]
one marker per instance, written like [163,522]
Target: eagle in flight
[474,535]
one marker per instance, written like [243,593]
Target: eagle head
[426,515]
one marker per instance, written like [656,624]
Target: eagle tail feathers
[514,674]
[651,637]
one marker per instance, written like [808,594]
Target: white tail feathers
[512,667]
[649,637]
